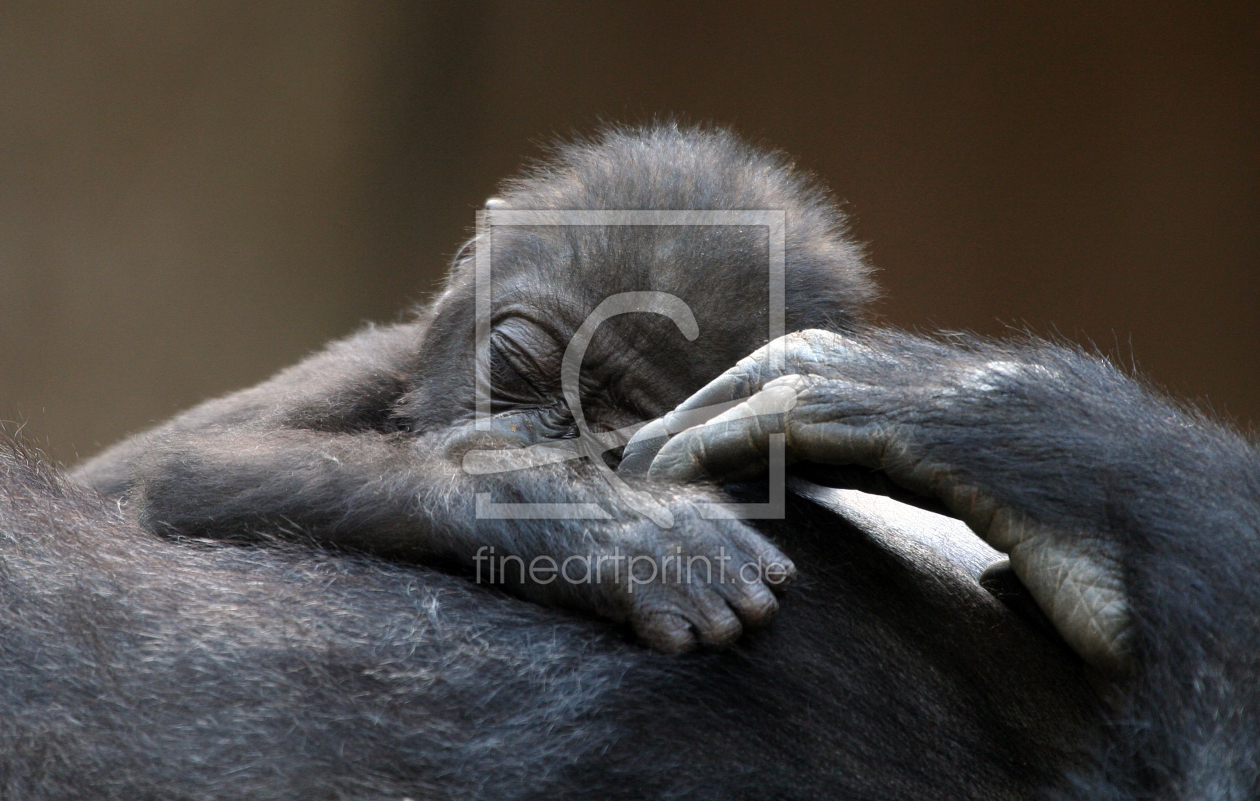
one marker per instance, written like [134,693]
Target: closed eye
[508,388]
[517,377]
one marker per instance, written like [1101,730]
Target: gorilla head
[544,280]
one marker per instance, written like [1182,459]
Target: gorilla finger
[752,601]
[842,443]
[719,397]
[729,450]
[743,390]
[761,415]
[642,449]
[716,623]
[637,456]
[667,632]
[811,351]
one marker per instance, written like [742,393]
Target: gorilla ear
[495,203]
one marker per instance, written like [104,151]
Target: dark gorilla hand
[897,405]
[1133,523]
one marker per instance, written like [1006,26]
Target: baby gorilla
[363,445]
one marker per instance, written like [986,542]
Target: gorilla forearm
[1135,523]
[1172,499]
[403,496]
[350,386]
[361,490]
[315,448]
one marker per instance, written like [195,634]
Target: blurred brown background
[194,195]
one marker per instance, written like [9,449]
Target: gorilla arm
[1134,523]
[321,451]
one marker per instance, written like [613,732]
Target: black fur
[136,664]
[1171,494]
[1134,522]
[361,445]
[140,667]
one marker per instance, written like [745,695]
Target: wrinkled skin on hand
[1133,522]
[629,568]
[920,412]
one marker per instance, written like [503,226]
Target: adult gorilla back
[135,667]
